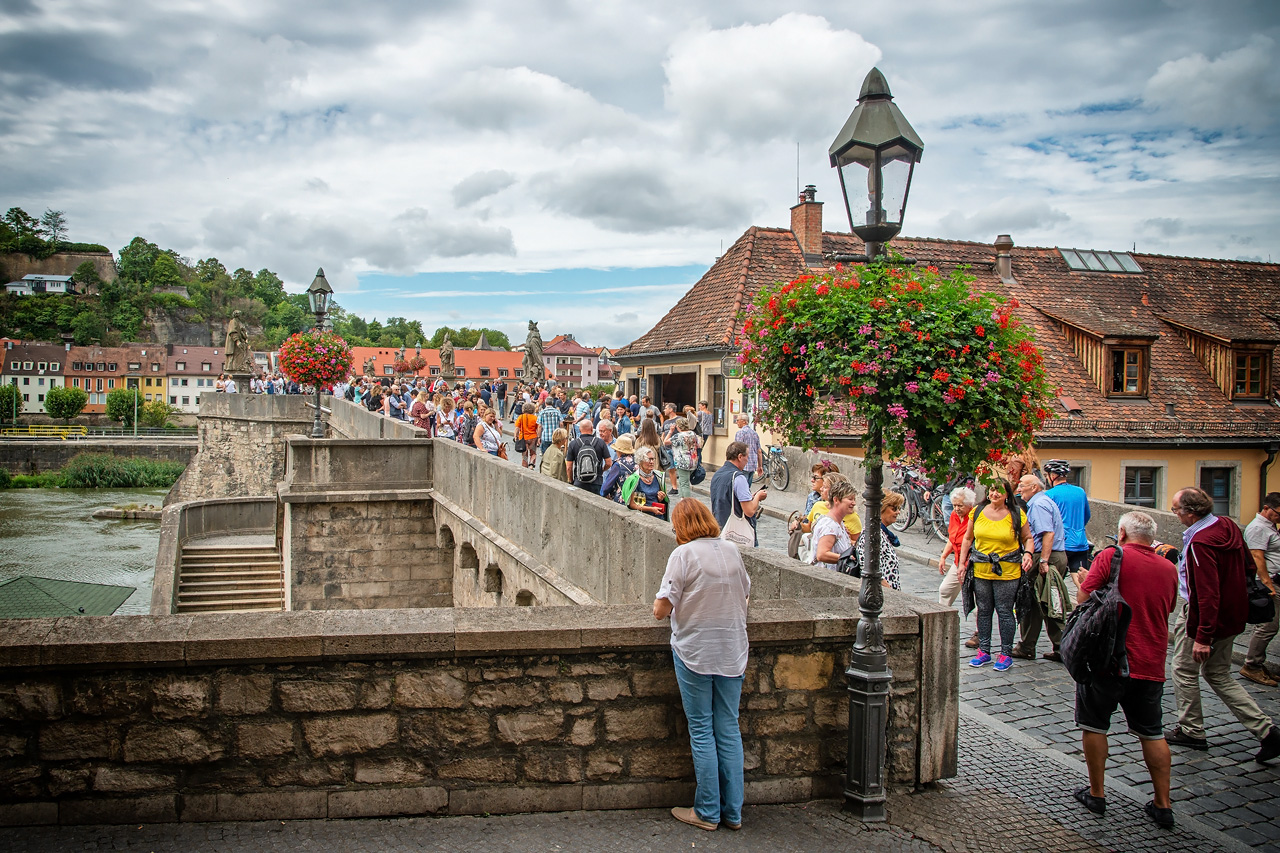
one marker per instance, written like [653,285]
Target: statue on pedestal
[446,359]
[533,368]
[238,358]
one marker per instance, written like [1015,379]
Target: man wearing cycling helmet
[1074,505]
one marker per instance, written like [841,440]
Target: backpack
[1093,641]
[586,465]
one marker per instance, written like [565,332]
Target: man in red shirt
[1149,584]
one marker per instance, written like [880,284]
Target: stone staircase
[229,577]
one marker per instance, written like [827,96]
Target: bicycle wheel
[908,514]
[779,472]
[937,521]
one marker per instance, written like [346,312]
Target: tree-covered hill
[154,282]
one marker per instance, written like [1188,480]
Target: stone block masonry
[384,713]
[38,457]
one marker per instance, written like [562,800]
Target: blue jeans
[711,707]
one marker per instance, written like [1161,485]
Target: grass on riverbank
[100,471]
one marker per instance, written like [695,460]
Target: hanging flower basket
[315,358]
[945,375]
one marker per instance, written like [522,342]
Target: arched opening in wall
[493,579]
[467,558]
[444,538]
[524,598]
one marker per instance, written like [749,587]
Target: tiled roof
[706,316]
[567,346]
[1225,299]
[34,353]
[470,360]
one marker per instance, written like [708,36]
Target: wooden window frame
[1264,389]
[1144,369]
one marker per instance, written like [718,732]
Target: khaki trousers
[1217,674]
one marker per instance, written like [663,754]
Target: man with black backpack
[1148,584]
[587,457]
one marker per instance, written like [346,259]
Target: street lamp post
[877,139]
[318,295]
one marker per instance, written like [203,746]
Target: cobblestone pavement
[1222,788]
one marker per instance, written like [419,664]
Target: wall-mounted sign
[729,367]
[640,371]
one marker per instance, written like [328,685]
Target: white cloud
[1240,87]
[777,80]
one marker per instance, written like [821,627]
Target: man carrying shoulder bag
[1148,584]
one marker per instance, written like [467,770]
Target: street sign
[729,367]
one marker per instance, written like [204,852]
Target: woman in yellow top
[999,542]
[852,523]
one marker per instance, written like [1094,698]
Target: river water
[52,533]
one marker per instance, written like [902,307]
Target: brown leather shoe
[1258,676]
[972,642]
[691,817]
[1055,656]
[1017,652]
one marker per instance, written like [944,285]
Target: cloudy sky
[581,162]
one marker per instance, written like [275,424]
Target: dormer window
[1252,375]
[1128,377]
[135,365]
[182,365]
[55,365]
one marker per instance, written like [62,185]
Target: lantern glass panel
[895,178]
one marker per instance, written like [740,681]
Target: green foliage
[155,414]
[170,301]
[10,403]
[4,478]
[21,223]
[86,275]
[599,388]
[65,402]
[467,337]
[103,471]
[82,247]
[88,328]
[122,403]
[137,259]
[47,480]
[165,272]
[53,226]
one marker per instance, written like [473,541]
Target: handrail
[44,431]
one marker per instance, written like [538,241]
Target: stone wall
[361,550]
[17,264]
[347,714]
[35,457]
[241,445]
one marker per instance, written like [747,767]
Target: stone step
[248,585]
[226,592]
[250,574]
[232,605]
[231,565]
[256,554]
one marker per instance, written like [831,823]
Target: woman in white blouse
[705,591]
[829,532]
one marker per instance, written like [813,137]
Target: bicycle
[775,468]
[921,504]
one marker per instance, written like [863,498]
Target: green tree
[210,269]
[10,403]
[21,223]
[268,287]
[88,328]
[165,272]
[127,320]
[86,275]
[467,337]
[53,224]
[122,403]
[155,414]
[137,259]
[65,402]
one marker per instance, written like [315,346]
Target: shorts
[1078,561]
[1140,699]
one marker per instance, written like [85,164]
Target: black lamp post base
[864,792]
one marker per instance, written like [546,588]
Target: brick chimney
[806,224]
[1004,259]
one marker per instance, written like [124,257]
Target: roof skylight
[1088,260]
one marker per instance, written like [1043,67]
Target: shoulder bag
[1093,641]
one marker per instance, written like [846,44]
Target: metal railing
[43,431]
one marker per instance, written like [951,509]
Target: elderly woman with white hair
[962,500]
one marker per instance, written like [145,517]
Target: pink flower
[913,387]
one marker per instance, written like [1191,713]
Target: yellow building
[1167,366]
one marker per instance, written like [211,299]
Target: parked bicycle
[775,468]
[921,503]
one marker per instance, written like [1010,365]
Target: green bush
[4,478]
[102,471]
[81,247]
[34,481]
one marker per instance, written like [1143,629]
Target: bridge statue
[238,358]
[446,359]
[533,369]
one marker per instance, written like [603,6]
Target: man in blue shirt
[1051,603]
[549,420]
[730,486]
[1073,503]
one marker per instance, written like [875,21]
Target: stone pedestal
[243,381]
[450,378]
